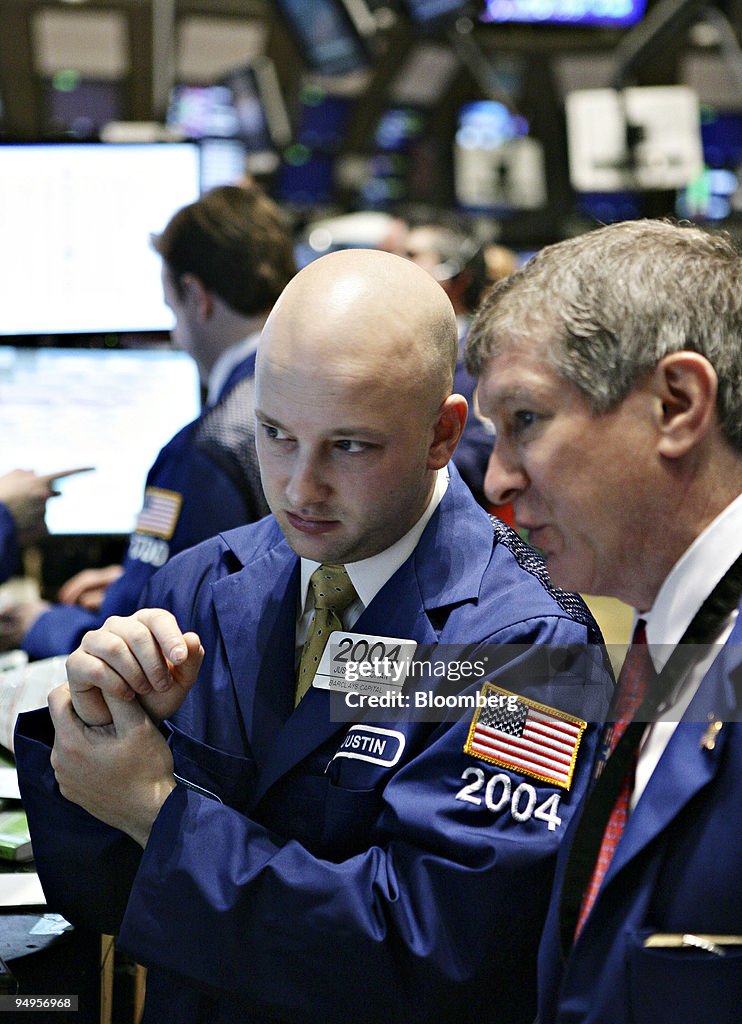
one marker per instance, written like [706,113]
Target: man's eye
[273,433]
[353,447]
[524,418]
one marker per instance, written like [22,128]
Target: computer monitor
[498,167]
[203,111]
[62,408]
[329,41]
[76,219]
[245,104]
[597,13]
[716,193]
[426,12]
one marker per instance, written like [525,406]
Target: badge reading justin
[361,663]
[525,736]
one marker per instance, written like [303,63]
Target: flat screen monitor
[62,408]
[398,128]
[243,105]
[715,194]
[223,162]
[307,181]
[327,37]
[323,120]
[597,13]
[203,111]
[427,11]
[76,220]
[262,118]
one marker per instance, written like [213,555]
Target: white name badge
[361,663]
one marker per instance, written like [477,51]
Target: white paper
[21,889]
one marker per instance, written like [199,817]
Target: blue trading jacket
[10,555]
[209,474]
[287,881]
[676,871]
[475,447]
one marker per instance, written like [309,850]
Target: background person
[611,367]
[23,498]
[457,262]
[225,259]
[305,868]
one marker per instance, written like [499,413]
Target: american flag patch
[159,513]
[526,737]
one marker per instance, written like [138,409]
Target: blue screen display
[600,13]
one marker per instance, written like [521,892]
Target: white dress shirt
[686,587]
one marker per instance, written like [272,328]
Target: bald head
[370,307]
[353,403]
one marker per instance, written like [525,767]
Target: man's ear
[448,430]
[686,385]
[198,295]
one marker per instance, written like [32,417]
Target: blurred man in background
[457,262]
[225,260]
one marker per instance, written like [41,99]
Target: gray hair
[613,302]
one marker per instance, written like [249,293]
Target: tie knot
[332,587]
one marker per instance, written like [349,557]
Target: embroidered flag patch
[526,737]
[159,513]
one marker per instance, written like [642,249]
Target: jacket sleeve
[211,503]
[68,843]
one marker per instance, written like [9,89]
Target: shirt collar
[226,362]
[369,575]
[691,580]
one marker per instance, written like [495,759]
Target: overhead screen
[599,13]
[246,104]
[426,11]
[63,408]
[76,220]
[326,34]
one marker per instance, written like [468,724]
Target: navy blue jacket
[10,555]
[288,878]
[473,452]
[677,870]
[209,473]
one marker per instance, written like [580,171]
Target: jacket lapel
[256,612]
[687,764]
[313,722]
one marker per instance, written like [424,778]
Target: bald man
[291,853]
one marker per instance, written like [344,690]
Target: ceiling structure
[143,47]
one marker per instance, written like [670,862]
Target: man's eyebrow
[260,415]
[340,432]
[515,393]
[336,432]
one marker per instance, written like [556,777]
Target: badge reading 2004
[361,663]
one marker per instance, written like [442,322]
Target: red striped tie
[636,672]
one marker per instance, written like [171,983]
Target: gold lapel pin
[708,740]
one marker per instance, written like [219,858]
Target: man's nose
[307,484]
[504,480]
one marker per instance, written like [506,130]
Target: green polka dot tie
[333,593]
